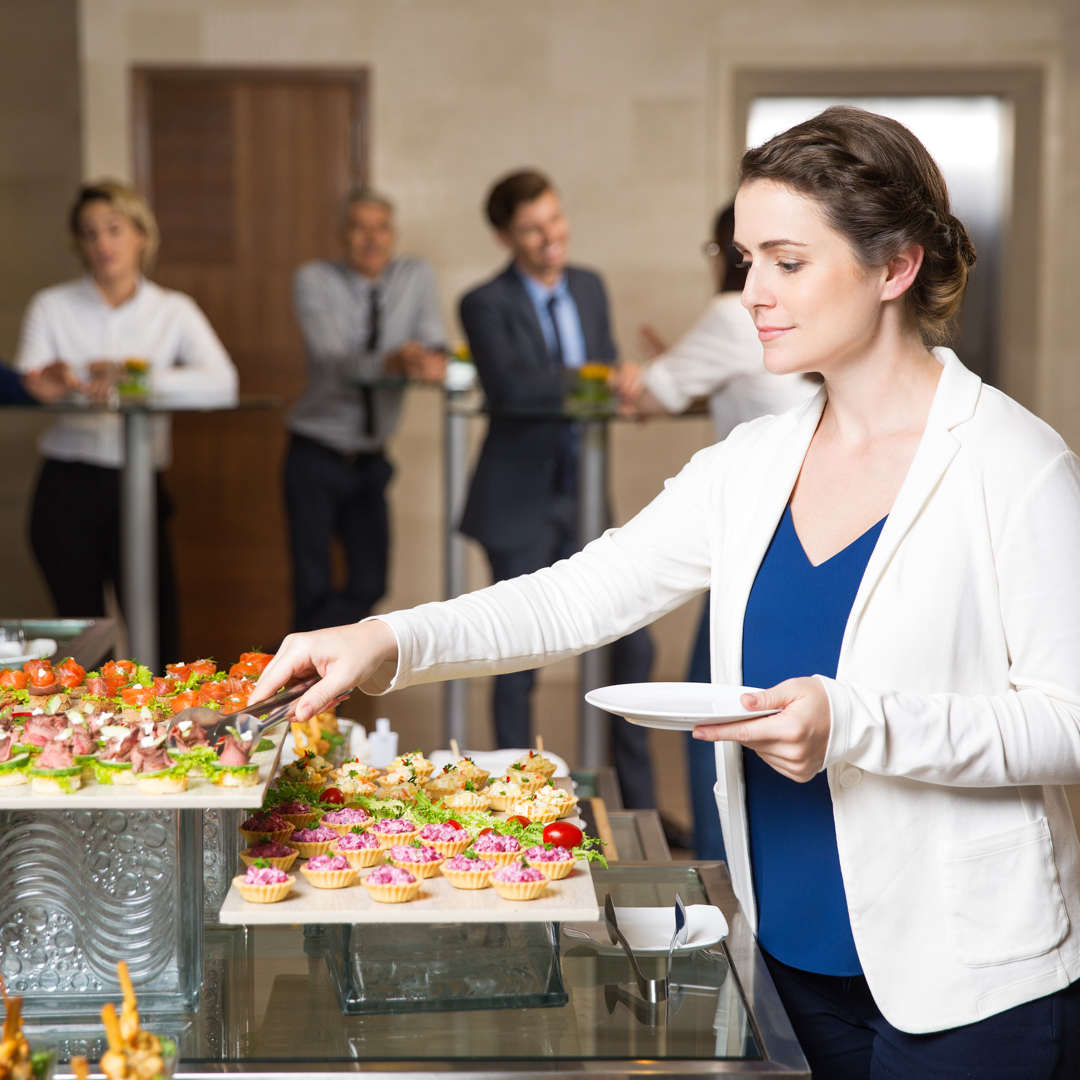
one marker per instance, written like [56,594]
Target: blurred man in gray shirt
[367,319]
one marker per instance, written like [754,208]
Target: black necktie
[556,352]
[372,346]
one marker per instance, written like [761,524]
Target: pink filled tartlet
[500,849]
[555,863]
[328,862]
[265,875]
[391,885]
[462,864]
[445,839]
[389,875]
[314,836]
[348,816]
[517,882]
[392,830]
[422,861]
[270,849]
[357,841]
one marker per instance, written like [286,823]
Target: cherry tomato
[524,822]
[135,697]
[203,667]
[184,701]
[332,795]
[453,823]
[13,680]
[259,659]
[70,674]
[484,832]
[563,834]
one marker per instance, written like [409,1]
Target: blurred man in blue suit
[527,327]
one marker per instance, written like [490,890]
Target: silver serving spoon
[257,719]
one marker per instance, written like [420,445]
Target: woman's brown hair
[880,188]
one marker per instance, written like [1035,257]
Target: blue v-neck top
[794,626]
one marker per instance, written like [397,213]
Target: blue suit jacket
[514,480]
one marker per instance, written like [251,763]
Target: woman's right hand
[343,656]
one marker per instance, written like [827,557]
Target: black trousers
[845,1037]
[75,537]
[631,661]
[328,494]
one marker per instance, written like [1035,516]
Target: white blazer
[956,706]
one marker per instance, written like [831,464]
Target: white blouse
[956,704]
[189,366]
[720,357]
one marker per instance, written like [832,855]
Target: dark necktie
[556,351]
[566,462]
[372,346]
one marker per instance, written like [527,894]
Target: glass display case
[272,999]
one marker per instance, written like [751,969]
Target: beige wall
[39,168]
[630,105]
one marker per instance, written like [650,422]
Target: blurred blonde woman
[93,324]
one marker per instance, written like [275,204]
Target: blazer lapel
[954,402]
[525,314]
[779,479]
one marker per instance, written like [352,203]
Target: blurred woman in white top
[720,357]
[93,324]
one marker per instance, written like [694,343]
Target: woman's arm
[719,347]
[625,579]
[205,375]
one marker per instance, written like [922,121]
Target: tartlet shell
[282,862]
[263,894]
[519,890]
[330,879]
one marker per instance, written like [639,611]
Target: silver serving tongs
[652,990]
[257,719]
[682,932]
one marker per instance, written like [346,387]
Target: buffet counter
[270,1003]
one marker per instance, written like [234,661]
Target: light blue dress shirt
[571,335]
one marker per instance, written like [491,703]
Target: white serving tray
[200,794]
[570,900]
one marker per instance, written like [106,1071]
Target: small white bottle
[382,743]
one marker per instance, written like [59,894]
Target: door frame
[142,76]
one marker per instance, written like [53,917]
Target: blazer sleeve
[1030,734]
[618,583]
[511,378]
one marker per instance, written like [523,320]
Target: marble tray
[571,900]
[200,794]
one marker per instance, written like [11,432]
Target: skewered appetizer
[17,1060]
[468,769]
[134,1053]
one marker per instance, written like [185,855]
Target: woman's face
[814,303]
[109,242]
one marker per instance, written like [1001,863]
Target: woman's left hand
[794,740]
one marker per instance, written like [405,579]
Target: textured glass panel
[82,889]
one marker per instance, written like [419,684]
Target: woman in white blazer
[953,717]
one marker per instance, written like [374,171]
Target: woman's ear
[902,269]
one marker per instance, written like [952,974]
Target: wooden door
[246,171]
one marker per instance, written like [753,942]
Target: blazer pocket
[1002,895]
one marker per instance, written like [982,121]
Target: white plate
[35,649]
[649,929]
[675,706]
